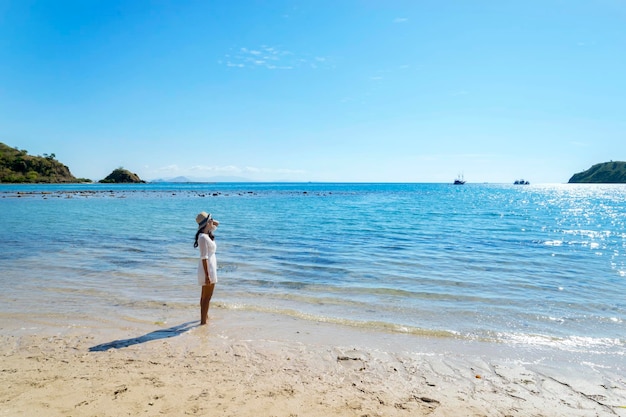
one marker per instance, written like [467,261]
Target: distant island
[603,173]
[16,166]
[122,176]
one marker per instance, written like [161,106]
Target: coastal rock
[122,176]
[603,173]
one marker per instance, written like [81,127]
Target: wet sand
[252,364]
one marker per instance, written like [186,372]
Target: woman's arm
[207,278]
[204,255]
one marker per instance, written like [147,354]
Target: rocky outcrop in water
[122,176]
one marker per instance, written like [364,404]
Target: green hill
[604,173]
[16,166]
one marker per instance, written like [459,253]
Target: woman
[207,267]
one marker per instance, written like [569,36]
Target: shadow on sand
[155,335]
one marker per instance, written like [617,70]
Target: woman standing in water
[207,267]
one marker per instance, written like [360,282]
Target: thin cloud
[227,169]
[271,58]
[169,168]
[206,172]
[456,156]
[224,170]
[400,20]
[255,170]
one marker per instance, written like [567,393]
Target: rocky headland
[613,172]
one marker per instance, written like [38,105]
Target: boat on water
[459,180]
[521,182]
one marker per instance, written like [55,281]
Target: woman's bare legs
[205,299]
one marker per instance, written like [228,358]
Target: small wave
[366,325]
[570,343]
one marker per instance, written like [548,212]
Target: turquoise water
[532,265]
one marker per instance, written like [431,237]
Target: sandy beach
[245,364]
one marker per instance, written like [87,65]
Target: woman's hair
[211,236]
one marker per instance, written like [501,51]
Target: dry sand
[244,364]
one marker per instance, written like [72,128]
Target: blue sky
[382,91]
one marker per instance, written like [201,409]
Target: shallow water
[540,265]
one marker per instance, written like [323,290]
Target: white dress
[207,251]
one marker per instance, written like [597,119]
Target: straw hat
[202,219]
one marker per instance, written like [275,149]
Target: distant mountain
[603,173]
[16,166]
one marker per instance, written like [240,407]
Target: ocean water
[535,265]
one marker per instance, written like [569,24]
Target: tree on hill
[603,173]
[16,166]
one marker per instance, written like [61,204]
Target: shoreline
[245,364]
